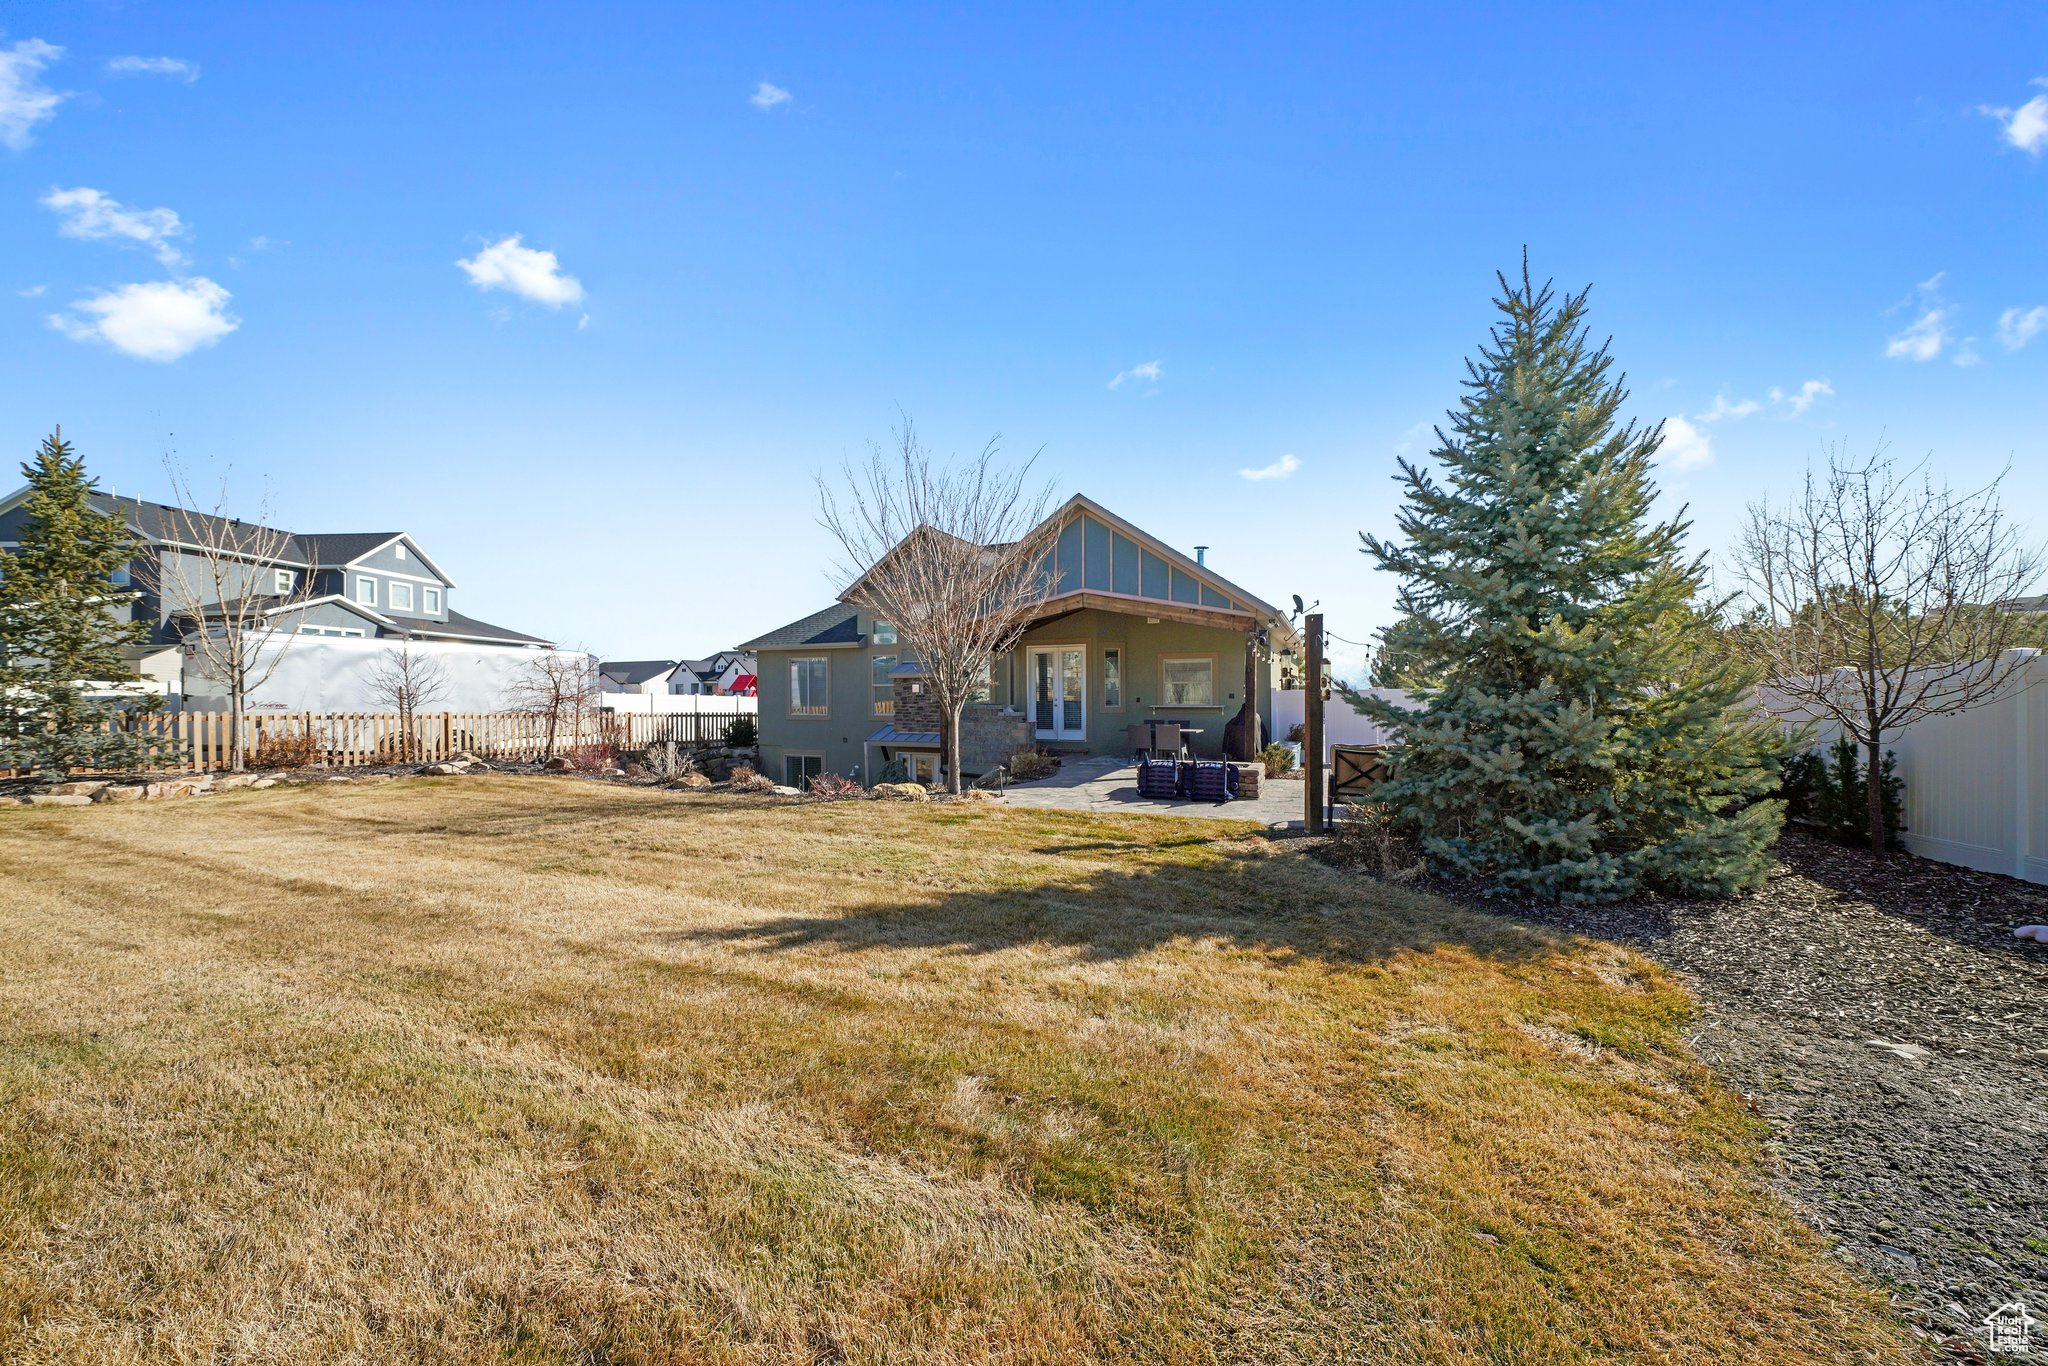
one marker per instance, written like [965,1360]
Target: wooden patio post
[1251,698]
[1312,714]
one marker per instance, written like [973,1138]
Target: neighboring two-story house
[1132,630]
[718,676]
[367,585]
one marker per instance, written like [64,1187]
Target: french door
[1059,692]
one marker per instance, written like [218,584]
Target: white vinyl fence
[1341,725]
[1977,783]
[670,704]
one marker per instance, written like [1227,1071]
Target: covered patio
[1109,784]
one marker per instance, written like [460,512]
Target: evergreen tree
[64,622]
[1575,743]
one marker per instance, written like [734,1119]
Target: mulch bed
[1895,1033]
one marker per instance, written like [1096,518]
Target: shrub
[744,779]
[287,747]
[835,787]
[1824,792]
[1370,837]
[1297,734]
[598,758]
[742,733]
[1027,764]
[1279,759]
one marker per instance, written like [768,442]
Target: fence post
[1312,709]
[2023,776]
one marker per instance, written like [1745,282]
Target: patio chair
[1211,780]
[1167,739]
[1159,779]
[1138,735]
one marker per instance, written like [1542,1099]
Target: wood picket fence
[200,742]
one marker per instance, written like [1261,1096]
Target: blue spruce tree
[1578,743]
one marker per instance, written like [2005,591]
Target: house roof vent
[1201,554]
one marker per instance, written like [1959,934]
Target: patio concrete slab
[1110,786]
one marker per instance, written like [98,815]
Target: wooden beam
[1134,607]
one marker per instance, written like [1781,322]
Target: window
[1187,681]
[986,689]
[885,632]
[1112,677]
[433,599]
[799,769]
[282,578]
[330,631]
[808,687]
[398,551]
[366,592]
[401,597]
[884,698]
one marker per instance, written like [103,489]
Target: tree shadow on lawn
[1275,903]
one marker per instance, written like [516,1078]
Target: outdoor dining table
[1150,725]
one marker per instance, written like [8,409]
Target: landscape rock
[696,782]
[262,783]
[12,801]
[781,791]
[447,770]
[124,793]
[78,789]
[58,799]
[233,781]
[556,765]
[903,792]
[977,794]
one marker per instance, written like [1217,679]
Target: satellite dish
[1298,608]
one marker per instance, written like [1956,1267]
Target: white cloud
[24,100]
[2027,126]
[1148,371]
[93,215]
[1923,339]
[1966,353]
[32,292]
[530,274]
[767,96]
[1809,393]
[1724,409]
[1685,446]
[160,321]
[2018,326]
[1279,469]
[185,71]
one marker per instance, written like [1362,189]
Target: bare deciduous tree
[228,584]
[407,680]
[1877,599]
[952,556]
[556,688]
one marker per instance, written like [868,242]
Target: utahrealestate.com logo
[2010,1328]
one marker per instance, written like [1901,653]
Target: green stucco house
[1133,630]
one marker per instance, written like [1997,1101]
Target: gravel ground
[1895,1034]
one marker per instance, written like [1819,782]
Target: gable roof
[460,627]
[635,670]
[1082,503]
[347,547]
[837,625]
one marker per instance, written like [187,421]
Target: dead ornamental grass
[527,1070]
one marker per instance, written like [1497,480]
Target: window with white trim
[1187,681]
[885,632]
[330,631]
[282,579]
[366,591]
[809,684]
[885,696]
[398,551]
[432,603]
[400,596]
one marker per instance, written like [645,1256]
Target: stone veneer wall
[989,735]
[916,706]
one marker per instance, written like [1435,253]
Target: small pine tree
[1575,742]
[64,623]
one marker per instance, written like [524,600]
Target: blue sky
[239,232]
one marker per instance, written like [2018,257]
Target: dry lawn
[522,1070]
